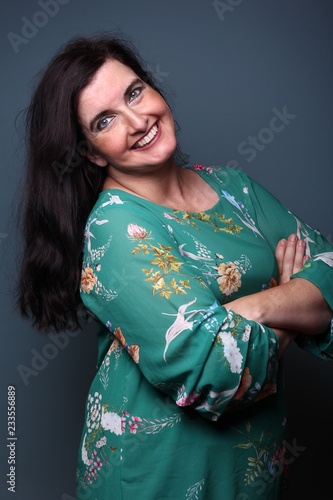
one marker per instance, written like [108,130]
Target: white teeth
[149,137]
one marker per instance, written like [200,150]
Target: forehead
[105,90]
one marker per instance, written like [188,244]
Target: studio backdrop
[250,83]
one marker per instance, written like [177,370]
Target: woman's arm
[182,340]
[305,302]
[290,258]
[296,305]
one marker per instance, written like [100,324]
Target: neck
[168,185]
[161,184]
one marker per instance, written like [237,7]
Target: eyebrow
[106,111]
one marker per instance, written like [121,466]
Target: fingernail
[292,237]
[301,243]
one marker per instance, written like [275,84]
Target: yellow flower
[229,279]
[88,280]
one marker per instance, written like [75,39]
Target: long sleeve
[275,221]
[156,300]
[158,280]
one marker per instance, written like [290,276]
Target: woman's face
[128,124]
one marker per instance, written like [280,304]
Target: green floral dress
[187,402]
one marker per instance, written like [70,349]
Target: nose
[136,121]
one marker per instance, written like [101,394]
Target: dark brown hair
[61,184]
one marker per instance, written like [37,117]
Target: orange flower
[244,385]
[133,350]
[119,336]
[267,390]
[229,279]
[88,280]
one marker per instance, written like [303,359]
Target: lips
[147,139]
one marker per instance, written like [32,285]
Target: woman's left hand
[290,257]
[295,304]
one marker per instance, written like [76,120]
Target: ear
[97,159]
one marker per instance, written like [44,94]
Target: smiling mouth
[147,138]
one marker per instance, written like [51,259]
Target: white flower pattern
[111,422]
[94,409]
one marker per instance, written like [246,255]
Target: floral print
[111,422]
[263,463]
[194,491]
[172,407]
[94,410]
[229,279]
[88,279]
[166,265]
[245,384]
[137,232]
[133,350]
[218,221]
[184,399]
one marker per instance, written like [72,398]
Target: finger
[305,258]
[299,256]
[289,257]
[279,253]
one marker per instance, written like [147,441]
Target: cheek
[171,120]
[110,146]
[167,117]
[167,112]
[161,106]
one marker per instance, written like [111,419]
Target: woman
[178,268]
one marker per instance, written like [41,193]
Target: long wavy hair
[61,185]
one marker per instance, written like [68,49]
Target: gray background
[225,74]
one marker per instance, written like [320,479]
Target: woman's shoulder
[116,201]
[224,176]
[116,209]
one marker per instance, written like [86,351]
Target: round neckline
[202,173]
